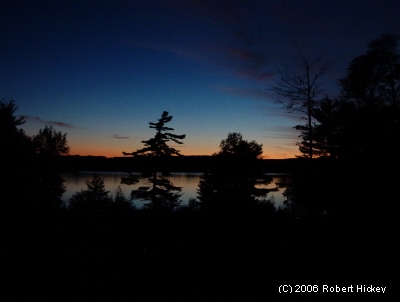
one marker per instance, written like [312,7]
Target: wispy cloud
[178,146]
[279,111]
[163,47]
[51,123]
[117,136]
[284,129]
[250,62]
[285,133]
[252,92]
[280,136]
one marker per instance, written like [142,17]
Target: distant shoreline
[197,164]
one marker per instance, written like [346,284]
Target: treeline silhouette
[362,121]
[337,226]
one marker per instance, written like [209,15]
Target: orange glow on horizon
[110,154]
[114,148]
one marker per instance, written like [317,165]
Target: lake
[75,181]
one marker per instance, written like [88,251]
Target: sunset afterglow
[101,71]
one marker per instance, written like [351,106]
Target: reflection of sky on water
[75,181]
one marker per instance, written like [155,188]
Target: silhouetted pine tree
[161,193]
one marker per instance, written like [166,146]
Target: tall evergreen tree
[161,193]
[327,118]
[157,146]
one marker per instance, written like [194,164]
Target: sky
[100,71]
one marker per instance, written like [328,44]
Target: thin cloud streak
[252,92]
[117,136]
[280,136]
[279,111]
[163,47]
[52,123]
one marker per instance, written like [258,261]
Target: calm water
[75,181]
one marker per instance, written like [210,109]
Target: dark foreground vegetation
[338,227]
[115,253]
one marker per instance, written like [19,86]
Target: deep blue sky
[101,70]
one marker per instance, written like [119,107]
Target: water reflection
[75,181]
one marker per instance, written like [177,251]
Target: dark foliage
[235,146]
[14,143]
[234,183]
[48,189]
[231,191]
[362,123]
[49,142]
[372,90]
[121,203]
[95,199]
[161,192]
[16,162]
[373,79]
[39,176]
